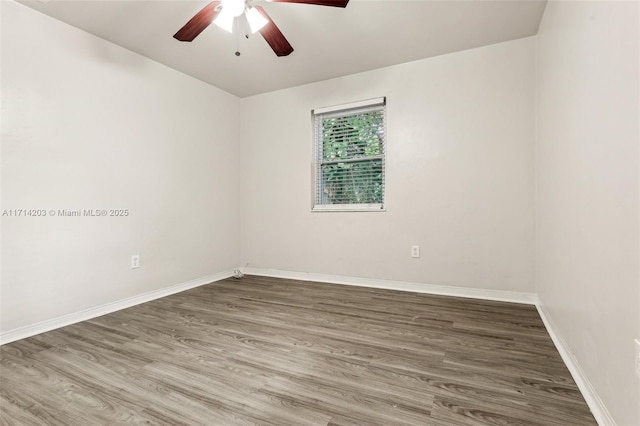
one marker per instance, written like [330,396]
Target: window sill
[349,208]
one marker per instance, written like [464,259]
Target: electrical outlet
[637,357]
[135,261]
[415,251]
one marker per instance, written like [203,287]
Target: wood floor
[277,352]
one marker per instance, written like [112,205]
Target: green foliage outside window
[352,158]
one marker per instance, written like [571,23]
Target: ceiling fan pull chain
[237,37]
[237,34]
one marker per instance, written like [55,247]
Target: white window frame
[344,109]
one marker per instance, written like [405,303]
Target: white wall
[459,175]
[87,124]
[587,202]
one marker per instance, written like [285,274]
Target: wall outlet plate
[135,261]
[415,251]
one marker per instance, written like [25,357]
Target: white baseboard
[598,409]
[52,324]
[474,293]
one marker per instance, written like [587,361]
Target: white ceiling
[329,42]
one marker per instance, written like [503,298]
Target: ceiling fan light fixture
[256,20]
[225,20]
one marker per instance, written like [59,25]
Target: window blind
[350,156]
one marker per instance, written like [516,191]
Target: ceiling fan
[228,14]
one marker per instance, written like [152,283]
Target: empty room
[320,212]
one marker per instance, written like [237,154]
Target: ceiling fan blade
[272,35]
[334,3]
[198,23]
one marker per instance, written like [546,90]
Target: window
[350,156]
